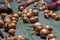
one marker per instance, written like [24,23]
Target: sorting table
[23,29]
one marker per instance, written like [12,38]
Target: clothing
[26,3]
[53,5]
[2,2]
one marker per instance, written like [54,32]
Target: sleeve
[2,2]
[26,4]
[52,5]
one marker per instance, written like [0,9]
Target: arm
[28,2]
[2,2]
[52,5]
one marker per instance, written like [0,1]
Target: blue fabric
[58,7]
[2,2]
[22,3]
[50,1]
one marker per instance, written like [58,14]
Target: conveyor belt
[23,29]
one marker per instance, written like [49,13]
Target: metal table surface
[23,29]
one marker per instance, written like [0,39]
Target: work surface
[23,29]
